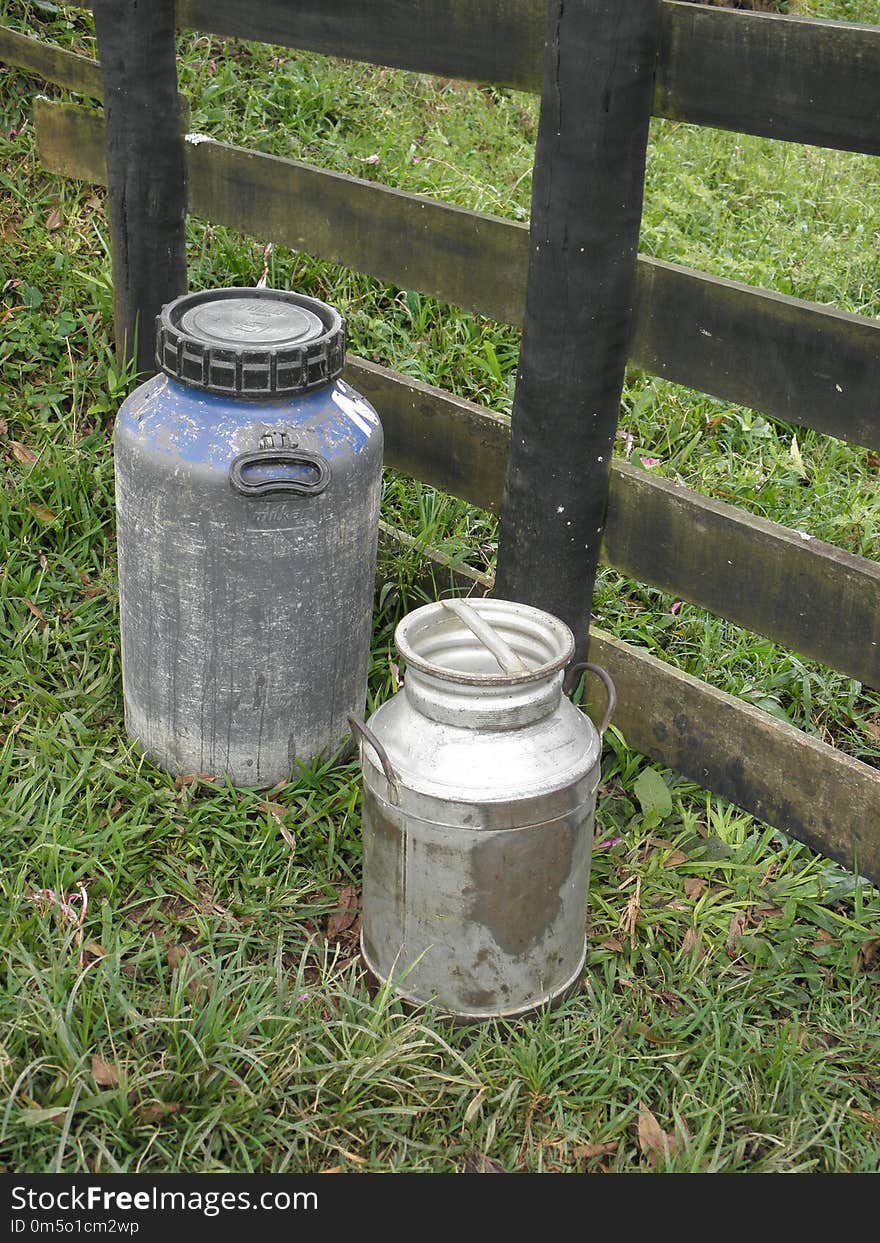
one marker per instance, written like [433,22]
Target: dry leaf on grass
[475,1162]
[37,612]
[737,928]
[22,453]
[675,858]
[345,914]
[691,943]
[653,1140]
[630,915]
[694,886]
[272,809]
[43,512]
[104,1073]
[584,1151]
[868,956]
[188,779]
[93,950]
[180,960]
[155,1111]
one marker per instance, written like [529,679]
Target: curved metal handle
[281,483]
[358,726]
[605,678]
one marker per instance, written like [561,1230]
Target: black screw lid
[250,342]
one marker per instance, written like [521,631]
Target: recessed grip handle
[269,485]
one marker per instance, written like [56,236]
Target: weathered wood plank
[777,773]
[780,77]
[458,255]
[808,364]
[812,597]
[587,189]
[145,164]
[53,64]
[781,355]
[792,78]
[805,594]
[70,141]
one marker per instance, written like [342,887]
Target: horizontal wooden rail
[811,596]
[774,771]
[793,78]
[54,64]
[795,360]
[800,591]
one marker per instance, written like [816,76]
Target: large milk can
[247,496]
[479,783]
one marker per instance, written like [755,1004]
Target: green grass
[733,978]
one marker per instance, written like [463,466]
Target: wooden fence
[789,78]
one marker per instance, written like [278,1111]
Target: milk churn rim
[555,626]
[258,369]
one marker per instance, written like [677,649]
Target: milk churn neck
[250,343]
[485,664]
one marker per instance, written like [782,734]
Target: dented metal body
[478,828]
[245,604]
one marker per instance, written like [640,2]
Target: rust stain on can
[518,877]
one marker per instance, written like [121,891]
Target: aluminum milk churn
[479,783]
[247,494]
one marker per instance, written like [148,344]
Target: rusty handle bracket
[605,678]
[359,726]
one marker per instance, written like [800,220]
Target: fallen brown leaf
[345,914]
[188,779]
[104,1073]
[475,1162]
[584,1151]
[37,612]
[868,956]
[22,453]
[735,931]
[272,809]
[155,1111]
[630,915]
[94,949]
[180,960]
[691,942]
[677,857]
[694,886]
[653,1140]
[872,729]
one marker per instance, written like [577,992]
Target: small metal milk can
[479,784]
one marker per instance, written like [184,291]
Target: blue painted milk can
[248,478]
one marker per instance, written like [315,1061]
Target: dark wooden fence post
[599,61]
[145,166]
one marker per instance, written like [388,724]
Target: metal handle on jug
[260,485]
[605,678]
[359,726]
